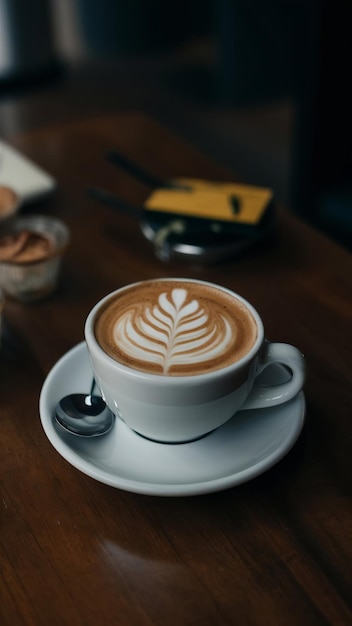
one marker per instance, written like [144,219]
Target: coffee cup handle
[262,396]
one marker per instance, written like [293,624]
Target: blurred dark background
[262,86]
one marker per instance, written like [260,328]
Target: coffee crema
[175,327]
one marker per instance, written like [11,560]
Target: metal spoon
[85,415]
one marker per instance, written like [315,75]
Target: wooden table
[276,550]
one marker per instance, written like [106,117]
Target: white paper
[26,178]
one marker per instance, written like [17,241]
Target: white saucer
[246,446]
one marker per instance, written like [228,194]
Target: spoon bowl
[84,415]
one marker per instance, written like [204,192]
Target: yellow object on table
[230,202]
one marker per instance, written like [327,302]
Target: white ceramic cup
[177,409]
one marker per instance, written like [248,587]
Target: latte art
[174,328]
[174,332]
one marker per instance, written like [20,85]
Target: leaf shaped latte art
[174,332]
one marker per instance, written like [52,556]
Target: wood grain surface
[275,551]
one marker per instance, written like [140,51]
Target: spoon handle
[103,196]
[92,387]
[116,158]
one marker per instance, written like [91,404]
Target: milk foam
[173,332]
[175,327]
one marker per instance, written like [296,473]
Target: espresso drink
[175,327]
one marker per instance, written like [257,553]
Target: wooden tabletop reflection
[276,550]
